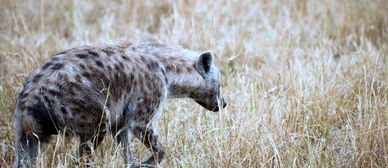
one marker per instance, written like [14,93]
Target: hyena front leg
[123,137]
[150,139]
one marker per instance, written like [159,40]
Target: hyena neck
[179,64]
[182,85]
[182,75]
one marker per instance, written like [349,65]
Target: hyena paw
[145,164]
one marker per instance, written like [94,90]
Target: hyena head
[208,94]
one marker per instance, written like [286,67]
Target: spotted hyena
[88,91]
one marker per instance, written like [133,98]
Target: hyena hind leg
[27,147]
[149,138]
[84,148]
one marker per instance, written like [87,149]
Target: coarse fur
[91,90]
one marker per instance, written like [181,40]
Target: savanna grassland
[306,81]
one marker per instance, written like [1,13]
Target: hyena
[91,90]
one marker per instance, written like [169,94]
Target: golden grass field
[306,81]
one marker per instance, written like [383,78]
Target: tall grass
[306,81]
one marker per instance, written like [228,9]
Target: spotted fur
[118,88]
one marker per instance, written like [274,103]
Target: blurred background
[306,80]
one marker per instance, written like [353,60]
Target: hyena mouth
[213,109]
[216,109]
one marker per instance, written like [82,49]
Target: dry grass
[306,81]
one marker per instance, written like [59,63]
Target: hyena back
[90,90]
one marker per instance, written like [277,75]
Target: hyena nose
[224,103]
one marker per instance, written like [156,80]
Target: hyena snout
[213,104]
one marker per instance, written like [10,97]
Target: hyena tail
[33,125]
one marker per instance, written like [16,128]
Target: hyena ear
[204,63]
